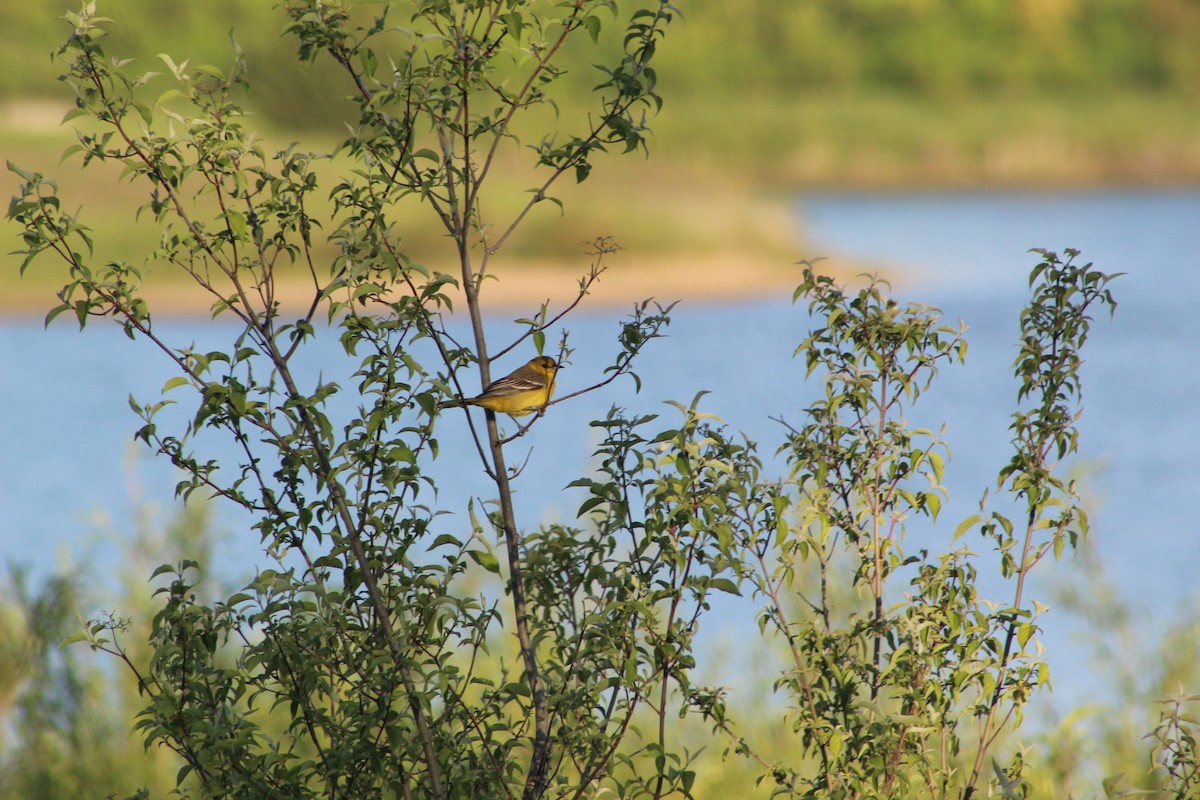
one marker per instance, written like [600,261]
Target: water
[1141,424]
[1139,456]
[66,469]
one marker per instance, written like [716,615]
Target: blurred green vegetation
[824,92]
[763,99]
[947,50]
[942,48]
[66,714]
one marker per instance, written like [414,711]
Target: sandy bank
[707,278]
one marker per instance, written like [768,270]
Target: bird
[526,390]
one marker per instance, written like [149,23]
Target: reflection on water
[67,426]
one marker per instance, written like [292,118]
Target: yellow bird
[527,389]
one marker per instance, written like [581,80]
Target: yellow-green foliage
[932,47]
[943,47]
[819,92]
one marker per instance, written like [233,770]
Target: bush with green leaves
[367,662]
[903,679]
[368,646]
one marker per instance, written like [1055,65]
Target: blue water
[68,469]
[1141,421]
[1139,459]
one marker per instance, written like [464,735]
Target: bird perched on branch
[526,390]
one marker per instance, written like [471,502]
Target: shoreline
[719,277]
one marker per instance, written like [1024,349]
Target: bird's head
[545,364]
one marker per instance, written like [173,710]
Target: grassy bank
[718,187]
[669,219]
[886,141]
[720,181]
[763,101]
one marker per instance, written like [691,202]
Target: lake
[68,469]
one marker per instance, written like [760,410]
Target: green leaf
[966,525]
[237,223]
[588,505]
[30,177]
[1025,633]
[834,745]
[592,24]
[443,540]
[72,639]
[687,779]
[725,585]
[486,560]
[368,60]
[515,23]
[169,96]
[54,312]
[934,503]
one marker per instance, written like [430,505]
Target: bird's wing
[516,383]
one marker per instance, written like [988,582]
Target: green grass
[720,179]
[653,208]
[887,141]
[762,101]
